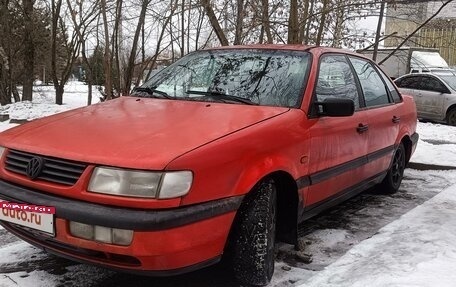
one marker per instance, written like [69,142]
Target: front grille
[54,170]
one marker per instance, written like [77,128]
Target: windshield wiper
[153,92]
[222,96]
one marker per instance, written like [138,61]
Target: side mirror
[335,107]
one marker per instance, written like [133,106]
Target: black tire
[393,178]
[451,117]
[253,236]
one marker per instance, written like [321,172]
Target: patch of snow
[75,96]
[416,250]
[436,145]
[85,276]
[31,279]
[19,252]
[285,275]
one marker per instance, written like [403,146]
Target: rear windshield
[450,80]
[262,77]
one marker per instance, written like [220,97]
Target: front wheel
[393,178]
[451,117]
[253,237]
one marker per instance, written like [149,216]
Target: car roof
[418,74]
[290,47]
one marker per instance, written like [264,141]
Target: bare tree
[322,22]
[214,22]
[131,61]
[239,22]
[87,15]
[107,57]
[62,57]
[293,23]
[29,58]
[415,31]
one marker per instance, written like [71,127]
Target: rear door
[411,85]
[338,144]
[383,115]
[432,97]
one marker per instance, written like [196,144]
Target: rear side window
[374,90]
[391,88]
[413,82]
[432,84]
[336,80]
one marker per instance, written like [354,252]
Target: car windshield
[258,77]
[450,80]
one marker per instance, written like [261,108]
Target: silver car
[434,94]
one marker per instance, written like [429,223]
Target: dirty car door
[432,98]
[338,144]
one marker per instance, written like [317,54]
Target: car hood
[134,132]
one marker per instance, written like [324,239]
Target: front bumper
[165,242]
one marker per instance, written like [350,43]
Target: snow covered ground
[75,96]
[405,239]
[416,250]
[437,144]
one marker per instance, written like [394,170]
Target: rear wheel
[451,117]
[253,237]
[393,178]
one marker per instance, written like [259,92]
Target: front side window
[374,90]
[336,80]
[262,77]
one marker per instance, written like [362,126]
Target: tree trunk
[304,22]
[265,20]
[293,24]
[214,22]
[239,22]
[116,49]
[309,20]
[55,19]
[377,34]
[29,49]
[59,94]
[15,93]
[339,25]
[107,57]
[131,61]
[182,48]
[324,13]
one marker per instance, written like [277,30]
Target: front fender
[233,165]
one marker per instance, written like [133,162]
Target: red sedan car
[222,153]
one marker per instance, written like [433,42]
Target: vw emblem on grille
[34,167]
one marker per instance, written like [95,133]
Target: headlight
[135,183]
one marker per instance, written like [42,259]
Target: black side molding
[328,173]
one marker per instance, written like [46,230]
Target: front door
[338,145]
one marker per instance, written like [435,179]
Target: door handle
[396,120]
[362,128]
